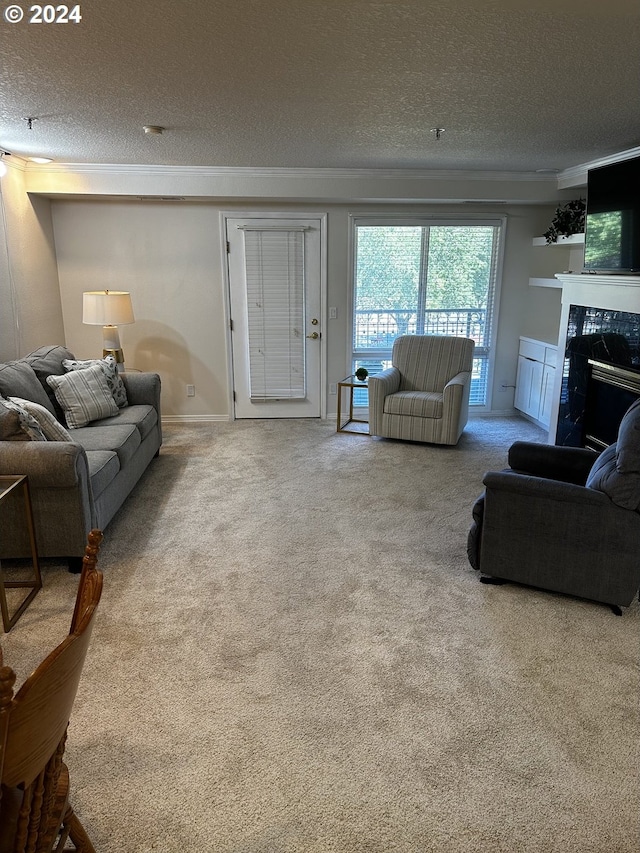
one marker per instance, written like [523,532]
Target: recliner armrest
[566,464]
[526,485]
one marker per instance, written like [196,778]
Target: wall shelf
[545,282]
[571,240]
[547,264]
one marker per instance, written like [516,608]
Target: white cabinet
[536,379]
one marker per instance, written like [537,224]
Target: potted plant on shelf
[569,219]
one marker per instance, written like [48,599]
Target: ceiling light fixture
[153,129]
[438,131]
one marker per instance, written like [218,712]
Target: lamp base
[118,355]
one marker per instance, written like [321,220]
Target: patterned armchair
[424,396]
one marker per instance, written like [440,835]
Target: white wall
[168,254]
[30,310]
[168,257]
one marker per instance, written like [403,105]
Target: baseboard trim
[493,413]
[194,419]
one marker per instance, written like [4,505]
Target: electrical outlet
[191,390]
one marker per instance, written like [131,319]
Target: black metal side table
[14,487]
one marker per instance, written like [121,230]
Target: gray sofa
[564,518]
[80,477]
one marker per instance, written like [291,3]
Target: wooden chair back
[33,723]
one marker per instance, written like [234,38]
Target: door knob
[314,336]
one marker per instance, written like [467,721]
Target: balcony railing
[376,330]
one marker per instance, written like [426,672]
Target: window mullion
[422,281]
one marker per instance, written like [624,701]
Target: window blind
[425,278]
[274,273]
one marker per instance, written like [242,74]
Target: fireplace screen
[611,337]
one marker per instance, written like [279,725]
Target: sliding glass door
[425,277]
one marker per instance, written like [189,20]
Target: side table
[348,386]
[14,487]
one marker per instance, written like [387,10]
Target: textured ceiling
[326,83]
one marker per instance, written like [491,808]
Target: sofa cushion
[50,425]
[18,379]
[47,361]
[84,396]
[103,467]
[123,439]
[142,417]
[28,424]
[616,471]
[10,429]
[110,369]
[419,404]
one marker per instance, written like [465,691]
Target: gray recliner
[564,519]
[424,395]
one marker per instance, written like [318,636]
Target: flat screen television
[612,233]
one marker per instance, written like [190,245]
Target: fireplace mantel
[615,292]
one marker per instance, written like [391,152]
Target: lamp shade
[107,308]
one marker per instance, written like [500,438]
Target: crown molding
[576,176]
[279,172]
[12,161]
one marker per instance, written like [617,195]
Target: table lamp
[109,309]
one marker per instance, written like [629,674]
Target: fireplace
[610,391]
[600,375]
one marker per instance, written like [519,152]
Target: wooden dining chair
[35,813]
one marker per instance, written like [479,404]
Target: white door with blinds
[275,300]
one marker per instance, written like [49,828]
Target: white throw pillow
[110,368]
[50,426]
[84,396]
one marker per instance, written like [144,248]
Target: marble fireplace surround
[610,292]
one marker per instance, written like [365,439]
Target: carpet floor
[293,655]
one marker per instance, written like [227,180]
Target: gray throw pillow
[616,472]
[110,368]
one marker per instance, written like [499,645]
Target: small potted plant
[569,219]
[361,374]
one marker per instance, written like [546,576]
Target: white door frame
[321,218]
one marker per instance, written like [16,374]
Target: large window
[431,278]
